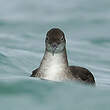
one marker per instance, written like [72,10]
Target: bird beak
[53,51]
[54,46]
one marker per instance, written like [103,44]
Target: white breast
[53,67]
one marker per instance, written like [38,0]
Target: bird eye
[62,38]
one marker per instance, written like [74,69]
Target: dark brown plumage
[82,74]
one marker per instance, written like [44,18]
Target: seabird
[54,65]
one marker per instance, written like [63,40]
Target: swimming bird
[54,65]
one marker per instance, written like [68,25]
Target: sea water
[23,27]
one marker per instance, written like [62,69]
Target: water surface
[23,26]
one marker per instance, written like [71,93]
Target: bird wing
[34,73]
[82,74]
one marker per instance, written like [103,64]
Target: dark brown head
[55,41]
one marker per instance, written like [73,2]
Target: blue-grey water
[23,26]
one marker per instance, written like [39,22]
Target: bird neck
[56,59]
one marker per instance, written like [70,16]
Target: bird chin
[55,51]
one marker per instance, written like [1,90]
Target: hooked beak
[53,51]
[54,46]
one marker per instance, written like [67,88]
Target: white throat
[54,67]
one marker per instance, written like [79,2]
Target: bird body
[54,65]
